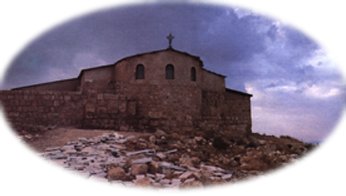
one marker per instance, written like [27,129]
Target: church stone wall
[171,106]
[155,69]
[110,97]
[212,82]
[226,112]
[30,109]
[155,65]
[99,78]
[238,105]
[131,108]
[110,111]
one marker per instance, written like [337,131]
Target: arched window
[193,74]
[169,72]
[139,72]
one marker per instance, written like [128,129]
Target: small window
[169,72]
[139,72]
[193,74]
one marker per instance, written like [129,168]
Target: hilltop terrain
[162,159]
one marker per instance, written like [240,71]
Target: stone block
[99,96]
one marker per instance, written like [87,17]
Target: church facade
[165,89]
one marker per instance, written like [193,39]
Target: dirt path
[60,136]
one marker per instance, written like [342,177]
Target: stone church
[166,89]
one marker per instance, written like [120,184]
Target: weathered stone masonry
[29,109]
[112,97]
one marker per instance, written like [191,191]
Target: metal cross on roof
[170,38]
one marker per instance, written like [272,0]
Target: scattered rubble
[171,160]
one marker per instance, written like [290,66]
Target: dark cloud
[291,78]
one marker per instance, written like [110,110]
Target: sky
[297,90]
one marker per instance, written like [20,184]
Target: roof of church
[238,92]
[148,53]
[45,83]
[214,73]
[93,68]
[158,51]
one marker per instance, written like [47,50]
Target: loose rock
[116,173]
[137,169]
[173,160]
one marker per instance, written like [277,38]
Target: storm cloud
[296,89]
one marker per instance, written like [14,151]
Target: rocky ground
[169,160]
